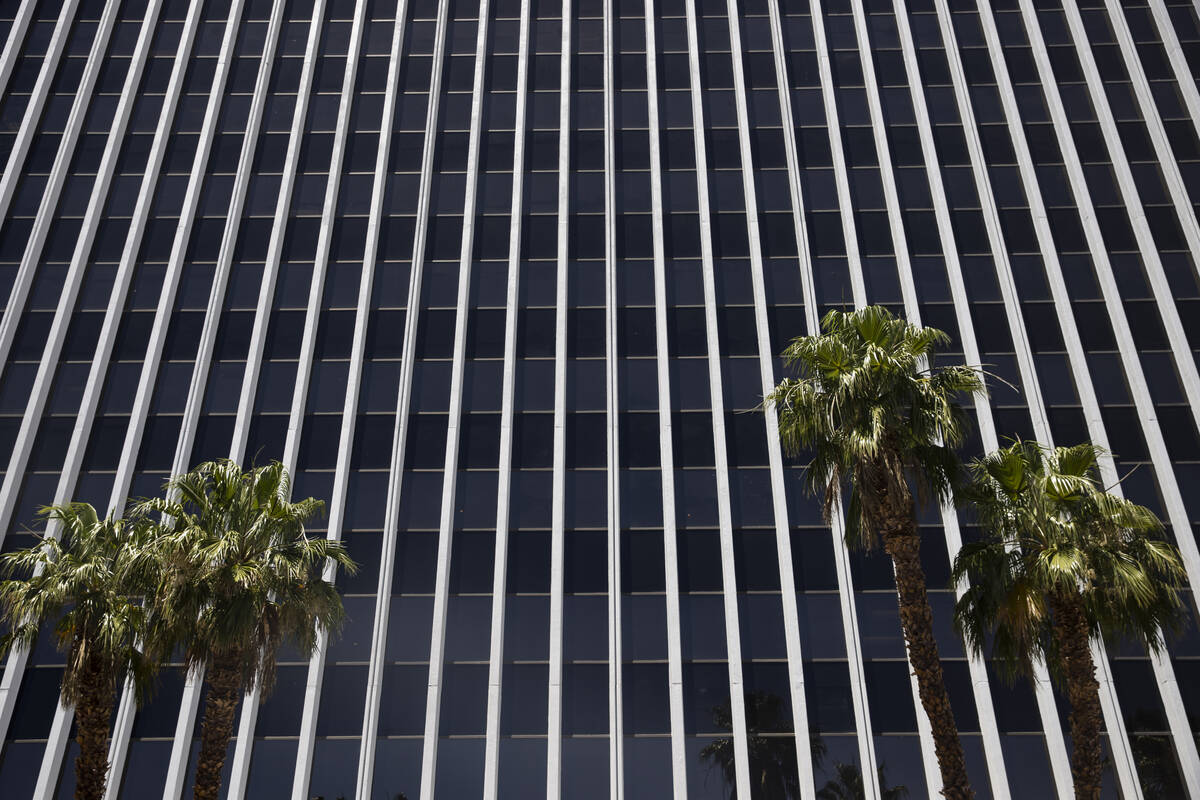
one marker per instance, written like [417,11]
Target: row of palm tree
[1063,560]
[217,572]
[220,570]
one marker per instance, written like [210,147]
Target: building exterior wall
[504,280]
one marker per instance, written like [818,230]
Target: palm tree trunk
[1083,690]
[224,687]
[903,544]
[92,713]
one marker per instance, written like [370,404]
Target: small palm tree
[241,577]
[91,583]
[1065,561]
[875,415]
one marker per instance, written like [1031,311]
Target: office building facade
[504,281]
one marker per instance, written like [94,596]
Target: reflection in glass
[585,767]
[270,759]
[333,770]
[1157,768]
[397,769]
[1034,778]
[66,780]
[145,771]
[846,784]
[773,771]
[647,767]
[905,766]
[522,768]
[772,758]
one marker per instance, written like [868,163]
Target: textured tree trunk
[92,713]
[224,687]
[1083,690]
[903,544]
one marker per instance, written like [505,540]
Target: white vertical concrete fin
[454,423]
[491,759]
[558,478]
[767,377]
[733,642]
[846,598]
[665,437]
[391,519]
[616,747]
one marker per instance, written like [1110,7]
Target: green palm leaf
[1063,535]
[866,403]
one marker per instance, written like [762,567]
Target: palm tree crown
[1056,533]
[1066,561]
[91,582]
[870,410]
[242,576]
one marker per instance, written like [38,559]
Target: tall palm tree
[90,584]
[876,416]
[1066,561]
[241,577]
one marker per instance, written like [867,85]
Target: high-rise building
[504,280]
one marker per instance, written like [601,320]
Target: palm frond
[89,588]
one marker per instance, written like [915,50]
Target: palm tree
[1065,561]
[874,414]
[241,577]
[92,583]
